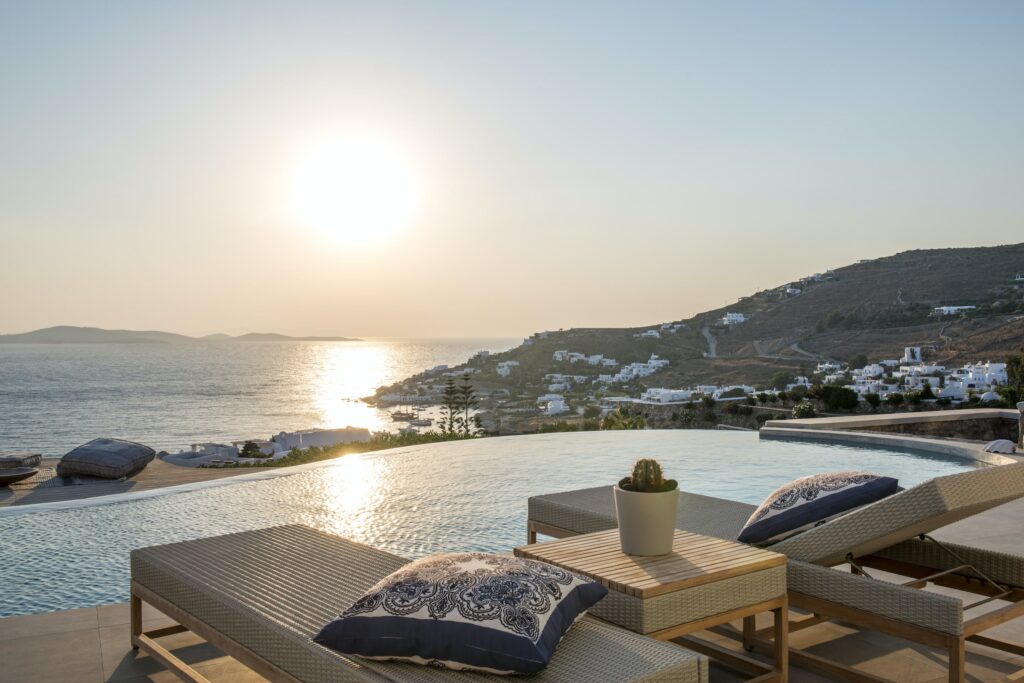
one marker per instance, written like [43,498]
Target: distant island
[66,334]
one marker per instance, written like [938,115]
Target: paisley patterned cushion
[809,501]
[474,611]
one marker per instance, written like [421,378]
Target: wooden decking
[157,474]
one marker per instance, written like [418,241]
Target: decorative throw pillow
[809,501]
[474,611]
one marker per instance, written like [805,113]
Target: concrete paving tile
[121,662]
[120,613]
[68,657]
[50,622]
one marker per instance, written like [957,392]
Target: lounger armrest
[1001,567]
[938,612]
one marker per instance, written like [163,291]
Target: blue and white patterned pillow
[465,611]
[809,501]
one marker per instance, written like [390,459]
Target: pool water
[465,495]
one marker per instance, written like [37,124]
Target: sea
[54,397]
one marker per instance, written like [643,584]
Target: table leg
[782,639]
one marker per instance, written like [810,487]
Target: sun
[355,190]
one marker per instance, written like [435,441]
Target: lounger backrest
[918,510]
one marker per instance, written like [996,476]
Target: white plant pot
[647,521]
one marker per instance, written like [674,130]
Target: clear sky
[189,166]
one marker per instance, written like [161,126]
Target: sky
[553,164]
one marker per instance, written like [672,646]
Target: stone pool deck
[46,488]
[91,645]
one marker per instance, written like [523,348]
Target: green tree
[895,399]
[781,379]
[591,412]
[1015,370]
[467,402]
[623,419]
[448,424]
[250,449]
[873,400]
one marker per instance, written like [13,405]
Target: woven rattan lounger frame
[888,536]
[261,595]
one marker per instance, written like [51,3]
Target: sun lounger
[890,535]
[260,596]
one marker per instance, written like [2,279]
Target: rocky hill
[872,308]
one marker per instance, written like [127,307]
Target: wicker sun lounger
[260,596]
[890,535]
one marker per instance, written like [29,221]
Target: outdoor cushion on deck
[107,458]
[270,591]
[10,461]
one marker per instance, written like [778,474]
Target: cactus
[647,478]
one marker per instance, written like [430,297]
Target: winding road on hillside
[712,342]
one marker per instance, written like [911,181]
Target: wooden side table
[703,583]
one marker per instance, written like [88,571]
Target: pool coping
[965,450]
[962,450]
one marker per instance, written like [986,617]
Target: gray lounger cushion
[272,590]
[10,461]
[107,458]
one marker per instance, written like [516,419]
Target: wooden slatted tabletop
[694,560]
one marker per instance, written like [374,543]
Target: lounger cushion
[10,461]
[809,501]
[465,611]
[107,458]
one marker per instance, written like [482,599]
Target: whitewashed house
[504,368]
[733,318]
[951,310]
[829,366]
[560,355]
[323,438]
[799,381]
[648,334]
[911,354]
[666,395]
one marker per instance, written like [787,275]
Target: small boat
[403,415]
[421,422]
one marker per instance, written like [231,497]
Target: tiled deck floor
[91,645]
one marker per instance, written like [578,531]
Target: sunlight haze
[485,169]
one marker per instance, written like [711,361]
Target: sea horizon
[57,396]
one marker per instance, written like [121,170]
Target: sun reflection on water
[341,372]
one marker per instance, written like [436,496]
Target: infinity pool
[467,495]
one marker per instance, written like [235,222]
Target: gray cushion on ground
[8,460]
[107,458]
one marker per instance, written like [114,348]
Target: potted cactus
[645,505]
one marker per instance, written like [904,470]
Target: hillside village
[908,324]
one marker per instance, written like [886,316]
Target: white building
[504,368]
[951,310]
[556,407]
[322,438]
[214,450]
[829,366]
[911,354]
[799,381]
[870,370]
[666,395]
[733,318]
[648,334]
[792,291]
[560,355]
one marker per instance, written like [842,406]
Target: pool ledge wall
[846,430]
[258,475]
[777,429]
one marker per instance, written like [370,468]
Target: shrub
[895,399]
[873,400]
[251,450]
[803,409]
[944,401]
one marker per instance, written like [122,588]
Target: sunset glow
[355,190]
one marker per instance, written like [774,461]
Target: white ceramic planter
[647,521]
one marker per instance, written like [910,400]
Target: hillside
[873,308]
[65,334]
